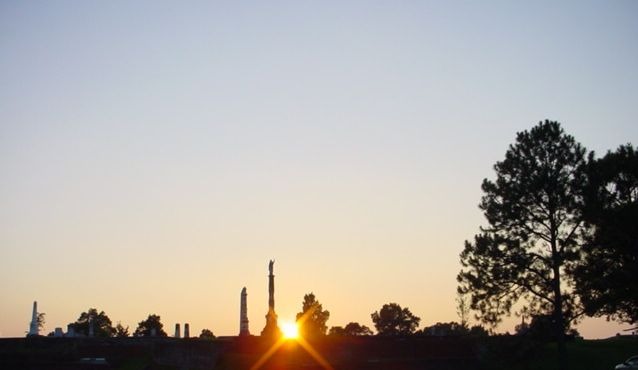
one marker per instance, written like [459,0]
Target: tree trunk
[559,323]
[559,320]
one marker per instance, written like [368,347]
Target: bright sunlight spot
[290,330]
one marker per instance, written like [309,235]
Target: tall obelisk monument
[34,328]
[271,329]
[243,315]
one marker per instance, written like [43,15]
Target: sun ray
[304,344]
[262,360]
[291,330]
[316,355]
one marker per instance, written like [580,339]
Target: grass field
[355,353]
[583,355]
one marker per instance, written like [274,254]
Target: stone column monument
[243,315]
[187,331]
[178,332]
[271,286]
[271,329]
[34,328]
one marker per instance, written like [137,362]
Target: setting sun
[290,330]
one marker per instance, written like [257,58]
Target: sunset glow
[156,157]
[290,330]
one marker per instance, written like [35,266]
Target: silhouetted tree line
[103,326]
[390,320]
[541,328]
[561,238]
[453,329]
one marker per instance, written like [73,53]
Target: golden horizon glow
[290,330]
[305,345]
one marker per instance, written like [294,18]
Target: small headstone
[70,331]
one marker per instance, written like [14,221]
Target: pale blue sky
[155,155]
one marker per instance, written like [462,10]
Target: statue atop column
[271,329]
[271,287]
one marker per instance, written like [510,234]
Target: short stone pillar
[70,331]
[178,332]
[58,333]
[187,333]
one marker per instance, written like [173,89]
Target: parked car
[631,363]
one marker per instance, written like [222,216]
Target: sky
[155,155]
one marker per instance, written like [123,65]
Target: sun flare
[290,330]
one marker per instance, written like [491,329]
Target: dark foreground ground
[352,353]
